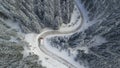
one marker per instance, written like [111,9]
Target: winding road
[57,32]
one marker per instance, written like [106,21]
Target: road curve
[57,32]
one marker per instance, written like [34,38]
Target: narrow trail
[57,32]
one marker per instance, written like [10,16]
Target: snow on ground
[83,10]
[62,54]
[13,25]
[76,19]
[86,22]
[47,61]
[74,22]
[13,39]
[86,49]
[97,40]
[33,48]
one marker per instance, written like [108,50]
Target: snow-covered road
[55,33]
[46,55]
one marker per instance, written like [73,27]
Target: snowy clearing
[34,48]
